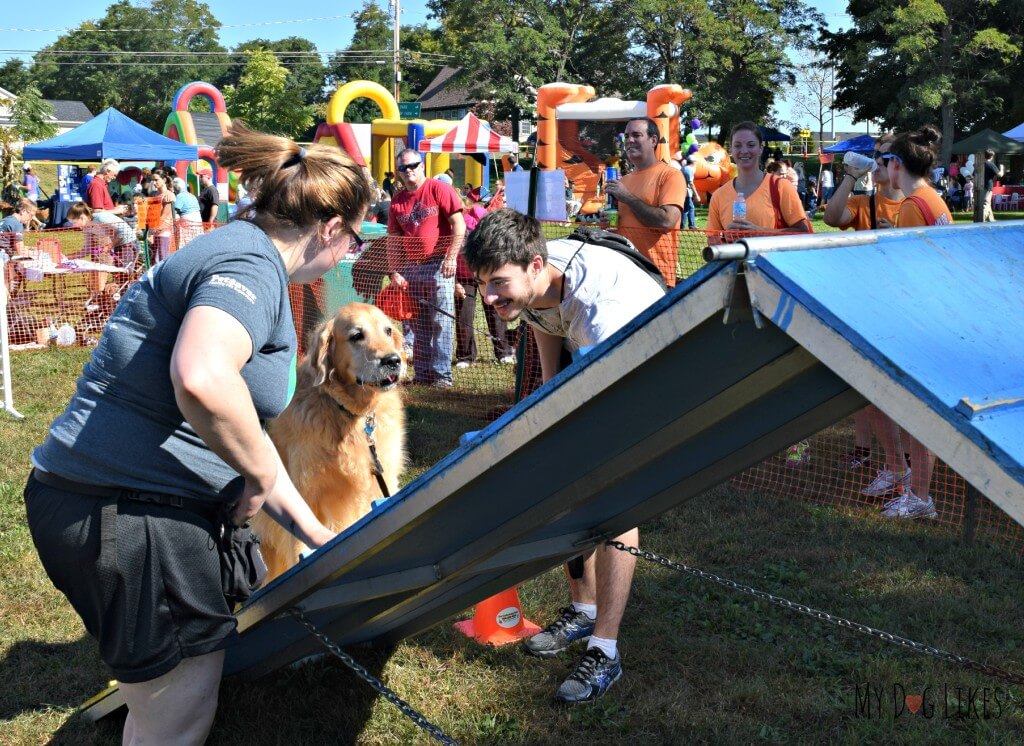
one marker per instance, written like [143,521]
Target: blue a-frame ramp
[743,359]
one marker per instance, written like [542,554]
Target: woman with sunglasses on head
[909,164]
[771,203]
[166,432]
[868,212]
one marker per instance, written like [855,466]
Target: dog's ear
[321,361]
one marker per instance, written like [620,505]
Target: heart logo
[914,702]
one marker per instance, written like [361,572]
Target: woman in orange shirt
[908,163]
[762,215]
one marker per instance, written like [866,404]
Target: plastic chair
[1014,201]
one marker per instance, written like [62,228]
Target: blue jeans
[689,213]
[434,325]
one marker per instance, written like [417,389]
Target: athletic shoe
[594,675]
[884,483]
[910,506]
[441,383]
[854,460]
[570,627]
[463,364]
[798,454]
[508,360]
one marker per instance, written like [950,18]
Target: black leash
[371,425]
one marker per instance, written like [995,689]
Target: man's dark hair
[652,127]
[990,154]
[504,237]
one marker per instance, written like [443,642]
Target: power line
[172,28]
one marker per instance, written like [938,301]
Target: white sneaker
[463,364]
[910,506]
[884,483]
[508,360]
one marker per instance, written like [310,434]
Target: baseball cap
[27,167]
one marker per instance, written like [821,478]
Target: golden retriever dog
[349,376]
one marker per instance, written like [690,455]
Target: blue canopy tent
[110,135]
[859,144]
[770,134]
[1017,133]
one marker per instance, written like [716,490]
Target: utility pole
[396,7]
[831,97]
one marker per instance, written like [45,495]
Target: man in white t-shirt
[574,295]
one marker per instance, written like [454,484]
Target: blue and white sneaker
[572,626]
[594,675]
[910,506]
[886,482]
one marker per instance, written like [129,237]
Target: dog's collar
[369,427]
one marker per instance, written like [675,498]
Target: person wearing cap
[425,233]
[209,199]
[186,206]
[30,183]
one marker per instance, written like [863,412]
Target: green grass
[703,664]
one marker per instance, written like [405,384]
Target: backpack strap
[926,211]
[871,206]
[773,190]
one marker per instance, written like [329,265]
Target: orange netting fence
[491,364]
[63,283]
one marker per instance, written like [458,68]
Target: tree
[134,58]
[266,99]
[908,62]
[14,76]
[813,95]
[32,120]
[306,72]
[508,49]
[370,56]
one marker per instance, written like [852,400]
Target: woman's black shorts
[145,578]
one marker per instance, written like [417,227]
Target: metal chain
[369,678]
[824,616]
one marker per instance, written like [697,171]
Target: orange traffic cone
[498,620]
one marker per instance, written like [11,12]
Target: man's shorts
[145,578]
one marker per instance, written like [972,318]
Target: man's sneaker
[507,360]
[798,454]
[885,482]
[854,460]
[463,364]
[910,506]
[594,675]
[570,627]
[441,383]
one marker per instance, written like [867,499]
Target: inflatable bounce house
[385,132]
[561,107]
[204,129]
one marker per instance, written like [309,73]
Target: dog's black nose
[391,361]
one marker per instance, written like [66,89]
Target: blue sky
[329,26]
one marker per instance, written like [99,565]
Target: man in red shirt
[426,220]
[98,194]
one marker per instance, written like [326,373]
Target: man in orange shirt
[650,198]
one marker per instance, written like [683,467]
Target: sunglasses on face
[892,157]
[409,166]
[878,154]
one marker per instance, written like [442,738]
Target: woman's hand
[448,266]
[399,282]
[742,224]
[883,223]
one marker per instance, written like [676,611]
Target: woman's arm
[206,364]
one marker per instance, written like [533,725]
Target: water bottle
[858,161]
[739,207]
